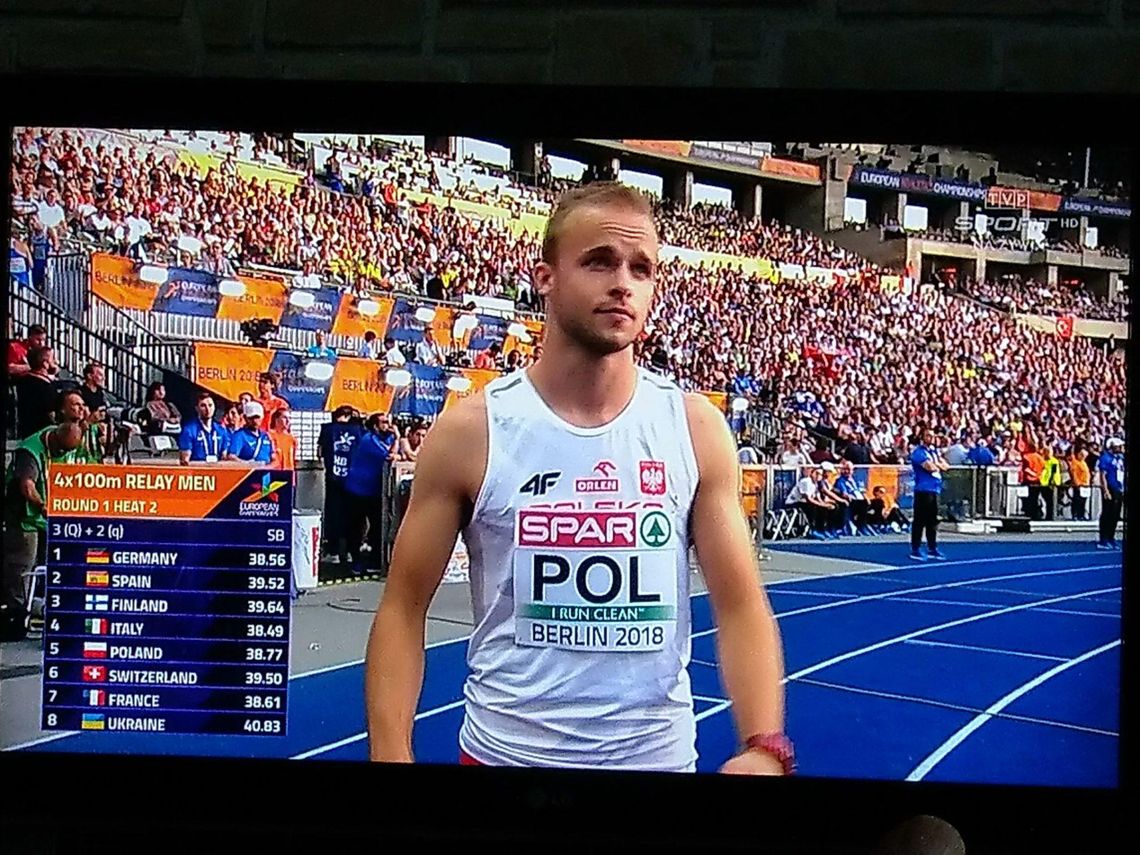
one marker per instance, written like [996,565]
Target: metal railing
[128,371]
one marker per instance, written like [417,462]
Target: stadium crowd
[1014,294]
[856,357]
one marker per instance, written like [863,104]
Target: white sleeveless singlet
[579,571]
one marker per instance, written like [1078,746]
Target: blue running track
[997,666]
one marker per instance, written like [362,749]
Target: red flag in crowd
[1065,326]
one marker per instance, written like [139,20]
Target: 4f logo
[653,477]
[540,483]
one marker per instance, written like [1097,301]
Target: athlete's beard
[590,340]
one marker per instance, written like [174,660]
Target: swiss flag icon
[94,673]
[653,477]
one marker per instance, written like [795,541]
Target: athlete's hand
[753,763]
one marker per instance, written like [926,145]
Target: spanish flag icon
[98,578]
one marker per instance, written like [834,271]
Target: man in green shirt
[25,495]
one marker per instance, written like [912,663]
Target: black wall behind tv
[1042,45]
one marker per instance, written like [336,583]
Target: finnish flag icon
[96,602]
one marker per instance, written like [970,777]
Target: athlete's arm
[748,640]
[448,471]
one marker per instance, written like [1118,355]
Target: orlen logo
[580,530]
[605,484]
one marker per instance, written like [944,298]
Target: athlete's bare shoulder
[454,454]
[712,440]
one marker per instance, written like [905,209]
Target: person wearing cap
[203,440]
[1110,478]
[251,443]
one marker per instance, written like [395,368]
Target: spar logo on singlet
[595,578]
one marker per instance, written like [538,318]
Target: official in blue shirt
[320,350]
[250,443]
[1110,476]
[980,454]
[855,513]
[367,467]
[203,440]
[334,447]
[928,468]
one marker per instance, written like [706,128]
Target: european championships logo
[264,501]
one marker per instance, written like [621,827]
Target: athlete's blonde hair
[600,194]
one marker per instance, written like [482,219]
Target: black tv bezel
[229,797]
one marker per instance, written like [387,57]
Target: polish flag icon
[653,477]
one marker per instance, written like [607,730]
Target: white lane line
[926,643]
[909,591]
[332,746]
[957,707]
[870,648]
[942,751]
[721,707]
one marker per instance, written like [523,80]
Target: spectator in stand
[307,279]
[429,351]
[71,409]
[25,497]
[490,359]
[284,443]
[393,356]
[320,350]
[18,352]
[793,455]
[822,453]
[251,443]
[980,454]
[370,349]
[203,440]
[162,417]
[409,446]
[94,395]
[267,396]
[36,393]
[858,451]
[805,496]
[958,453]
[334,447]
[232,421]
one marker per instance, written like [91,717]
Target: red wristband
[777,745]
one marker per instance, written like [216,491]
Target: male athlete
[579,485]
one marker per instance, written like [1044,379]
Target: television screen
[558,452]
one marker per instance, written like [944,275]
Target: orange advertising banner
[360,383]
[525,348]
[116,280]
[263,298]
[886,477]
[479,378]
[678,148]
[84,490]
[350,321]
[1039,201]
[229,369]
[789,168]
[443,325]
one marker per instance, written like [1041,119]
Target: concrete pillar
[440,145]
[679,187]
[980,265]
[1082,230]
[1113,284]
[1023,223]
[960,225]
[900,208]
[1052,275]
[749,200]
[525,157]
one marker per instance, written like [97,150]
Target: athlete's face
[601,284]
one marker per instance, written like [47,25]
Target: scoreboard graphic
[167,600]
